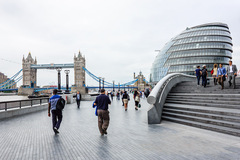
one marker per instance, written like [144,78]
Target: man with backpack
[56,105]
[204,75]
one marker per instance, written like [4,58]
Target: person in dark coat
[78,98]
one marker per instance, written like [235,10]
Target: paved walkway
[30,137]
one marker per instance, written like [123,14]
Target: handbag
[139,105]
[212,71]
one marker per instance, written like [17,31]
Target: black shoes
[104,131]
[230,84]
[125,109]
[55,130]
[136,108]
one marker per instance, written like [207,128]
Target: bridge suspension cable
[10,79]
[11,83]
[106,82]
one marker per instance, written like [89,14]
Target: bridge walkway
[30,137]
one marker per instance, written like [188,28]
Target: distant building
[205,44]
[4,78]
[141,84]
[29,74]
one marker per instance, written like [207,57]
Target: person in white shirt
[231,74]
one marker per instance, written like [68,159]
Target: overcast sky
[117,37]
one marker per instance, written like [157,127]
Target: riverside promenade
[30,137]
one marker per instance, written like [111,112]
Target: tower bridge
[29,77]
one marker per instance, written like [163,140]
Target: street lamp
[113,87]
[99,84]
[103,82]
[67,81]
[59,80]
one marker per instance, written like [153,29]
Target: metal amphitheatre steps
[208,108]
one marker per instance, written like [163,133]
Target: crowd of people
[219,73]
[101,104]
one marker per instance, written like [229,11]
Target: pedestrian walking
[125,99]
[198,73]
[112,95]
[102,102]
[214,73]
[221,74]
[204,75]
[146,92]
[137,100]
[56,113]
[118,95]
[231,74]
[78,98]
[122,97]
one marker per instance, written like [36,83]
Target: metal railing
[5,105]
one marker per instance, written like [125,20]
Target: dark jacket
[79,96]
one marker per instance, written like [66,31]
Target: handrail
[155,91]
[23,100]
[20,102]
[159,94]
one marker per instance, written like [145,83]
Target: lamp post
[118,86]
[99,84]
[59,80]
[124,87]
[103,82]
[113,87]
[67,81]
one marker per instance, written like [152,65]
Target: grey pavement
[30,137]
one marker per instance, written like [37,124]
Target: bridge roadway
[30,137]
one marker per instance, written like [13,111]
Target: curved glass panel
[204,32]
[189,46]
[196,60]
[203,52]
[204,39]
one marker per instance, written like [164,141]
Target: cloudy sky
[117,37]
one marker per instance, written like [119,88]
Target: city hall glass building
[205,44]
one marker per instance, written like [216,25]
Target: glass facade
[205,44]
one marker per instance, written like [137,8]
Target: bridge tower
[140,83]
[79,73]
[29,74]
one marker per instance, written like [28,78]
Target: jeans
[220,81]
[198,79]
[78,103]
[56,118]
[204,81]
[231,77]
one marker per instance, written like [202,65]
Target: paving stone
[30,137]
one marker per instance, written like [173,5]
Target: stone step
[203,115]
[199,100]
[204,97]
[202,109]
[205,104]
[212,121]
[226,130]
[215,91]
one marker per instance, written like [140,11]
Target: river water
[12,98]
